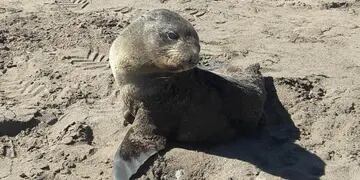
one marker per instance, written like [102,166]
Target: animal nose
[196,48]
[194,59]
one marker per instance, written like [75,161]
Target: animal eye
[172,35]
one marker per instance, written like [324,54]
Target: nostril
[193,59]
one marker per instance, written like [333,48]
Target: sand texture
[59,105]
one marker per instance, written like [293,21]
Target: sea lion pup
[167,98]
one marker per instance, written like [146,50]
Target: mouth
[178,68]
[174,65]
[193,62]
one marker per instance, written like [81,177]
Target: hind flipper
[139,144]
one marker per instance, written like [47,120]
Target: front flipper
[139,144]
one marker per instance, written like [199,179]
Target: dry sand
[59,111]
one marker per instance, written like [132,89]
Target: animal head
[173,41]
[159,41]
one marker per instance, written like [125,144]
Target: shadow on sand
[272,149]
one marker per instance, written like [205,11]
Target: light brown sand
[59,111]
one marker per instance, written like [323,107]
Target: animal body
[167,98]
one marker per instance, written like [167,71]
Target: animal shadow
[272,149]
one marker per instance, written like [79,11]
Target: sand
[60,112]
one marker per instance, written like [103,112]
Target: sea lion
[168,98]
